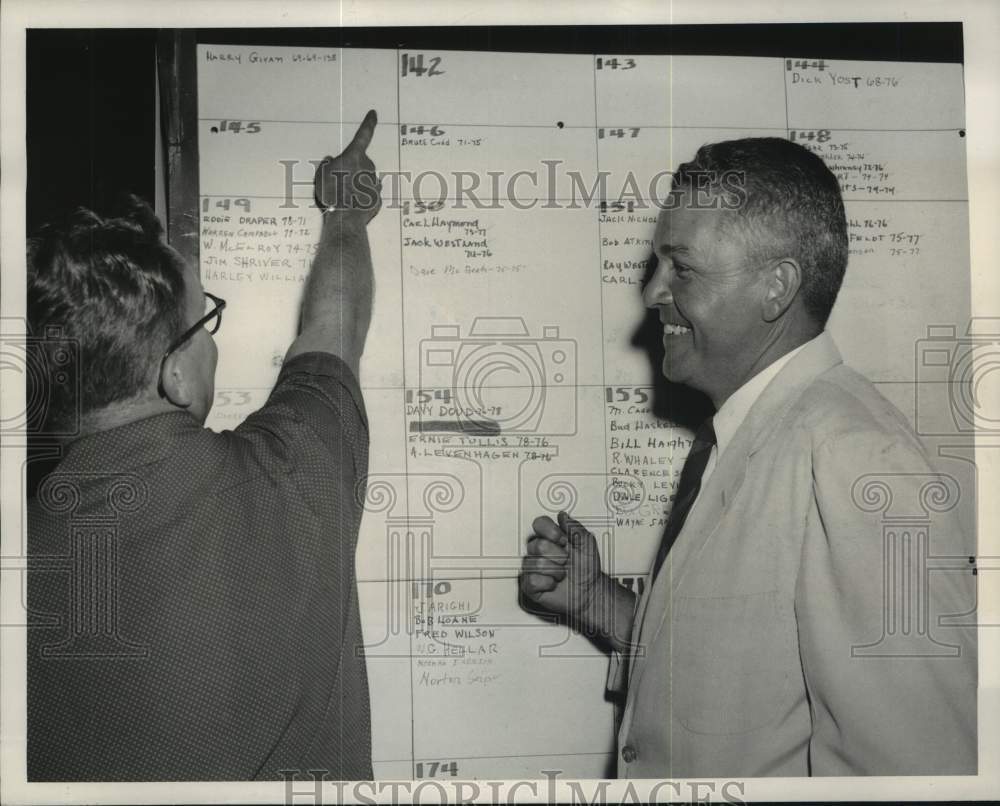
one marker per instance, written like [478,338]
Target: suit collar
[734,411]
[765,416]
[815,358]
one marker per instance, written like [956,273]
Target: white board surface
[524,317]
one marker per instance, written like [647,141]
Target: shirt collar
[125,447]
[733,412]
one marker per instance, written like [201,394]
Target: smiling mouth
[675,330]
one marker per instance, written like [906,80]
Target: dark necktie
[687,490]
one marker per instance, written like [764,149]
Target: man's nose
[657,290]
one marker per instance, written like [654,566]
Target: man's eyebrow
[671,249]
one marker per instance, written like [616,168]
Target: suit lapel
[818,356]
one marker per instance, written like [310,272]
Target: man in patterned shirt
[194,609]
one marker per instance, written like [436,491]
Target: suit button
[628,754]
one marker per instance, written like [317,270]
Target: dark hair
[114,291]
[789,205]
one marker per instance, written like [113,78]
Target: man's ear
[175,380]
[784,278]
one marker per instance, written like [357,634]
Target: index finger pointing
[363,136]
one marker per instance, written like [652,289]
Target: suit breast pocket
[732,660]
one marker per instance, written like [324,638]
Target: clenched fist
[562,572]
[562,568]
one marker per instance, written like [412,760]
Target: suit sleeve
[888,657]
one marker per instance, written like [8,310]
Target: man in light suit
[775,634]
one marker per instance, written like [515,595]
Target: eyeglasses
[211,321]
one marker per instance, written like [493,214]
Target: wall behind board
[90,109]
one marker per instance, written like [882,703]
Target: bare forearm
[337,304]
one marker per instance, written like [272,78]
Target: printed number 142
[415,65]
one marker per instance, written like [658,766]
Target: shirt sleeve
[317,399]
[886,612]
